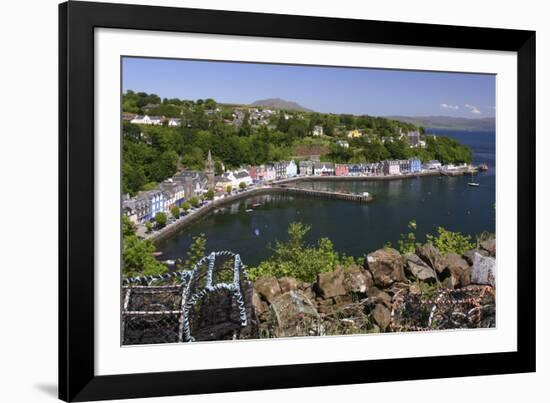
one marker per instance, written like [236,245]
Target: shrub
[194,201]
[161,219]
[448,241]
[296,259]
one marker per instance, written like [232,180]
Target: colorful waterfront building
[404,166]
[416,165]
[291,169]
[391,167]
[253,172]
[323,169]
[433,164]
[355,169]
[269,173]
[341,170]
[306,168]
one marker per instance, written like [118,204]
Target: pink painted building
[253,171]
[341,170]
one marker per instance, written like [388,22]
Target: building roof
[241,174]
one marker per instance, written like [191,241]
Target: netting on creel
[211,302]
[471,307]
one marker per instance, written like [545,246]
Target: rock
[483,270]
[288,284]
[259,305]
[381,316]
[429,254]
[418,269]
[386,266]
[356,280]
[469,256]
[459,270]
[308,292]
[377,296]
[291,313]
[331,284]
[490,246]
[268,288]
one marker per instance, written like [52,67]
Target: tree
[175,211]
[128,227]
[161,219]
[194,201]
[228,188]
[209,194]
[138,259]
[186,206]
[196,252]
[242,185]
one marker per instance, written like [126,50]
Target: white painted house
[147,120]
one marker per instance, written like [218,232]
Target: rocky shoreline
[426,290]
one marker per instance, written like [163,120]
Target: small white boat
[248,210]
[256,205]
[473,184]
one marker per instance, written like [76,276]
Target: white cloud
[447,106]
[473,109]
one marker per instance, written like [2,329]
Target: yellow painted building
[354,134]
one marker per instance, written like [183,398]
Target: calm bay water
[354,228]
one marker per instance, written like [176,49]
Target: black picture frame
[77,21]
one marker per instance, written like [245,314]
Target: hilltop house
[413,137]
[352,134]
[174,122]
[317,130]
[147,120]
[342,143]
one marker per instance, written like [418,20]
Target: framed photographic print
[257,201]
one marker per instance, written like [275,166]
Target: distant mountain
[448,122]
[278,103]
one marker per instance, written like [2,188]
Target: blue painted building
[355,169]
[416,165]
[156,202]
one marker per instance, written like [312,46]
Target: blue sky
[323,89]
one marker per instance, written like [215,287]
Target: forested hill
[238,135]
